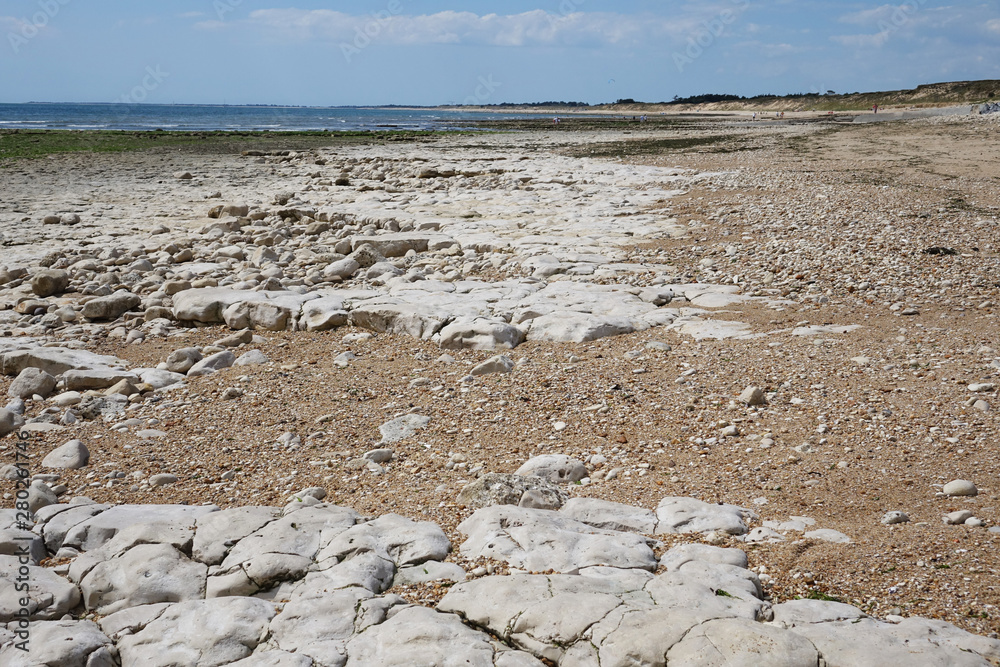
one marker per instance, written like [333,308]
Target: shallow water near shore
[207,118]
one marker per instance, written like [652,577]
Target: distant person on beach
[875,108]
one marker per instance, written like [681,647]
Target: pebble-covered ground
[828,224]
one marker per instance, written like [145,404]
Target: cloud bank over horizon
[536,28]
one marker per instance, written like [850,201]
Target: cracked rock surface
[313,586]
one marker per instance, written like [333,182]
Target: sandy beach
[795,318]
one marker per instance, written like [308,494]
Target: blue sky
[437,52]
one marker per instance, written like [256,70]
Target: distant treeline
[708,99]
[701,99]
[541,104]
[958,92]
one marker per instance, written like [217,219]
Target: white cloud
[16,25]
[12,29]
[874,15]
[875,41]
[770,50]
[211,25]
[913,17]
[190,15]
[958,27]
[9,23]
[534,28]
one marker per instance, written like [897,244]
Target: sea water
[200,118]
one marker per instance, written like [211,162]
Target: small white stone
[960,487]
[753,396]
[71,456]
[67,399]
[343,360]
[892,518]
[828,535]
[163,479]
[957,518]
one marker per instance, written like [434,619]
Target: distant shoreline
[662,109]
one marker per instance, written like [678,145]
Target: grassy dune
[930,95]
